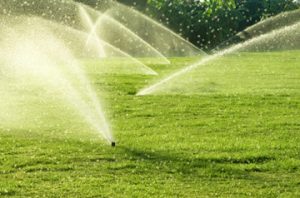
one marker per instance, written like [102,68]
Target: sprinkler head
[113,144]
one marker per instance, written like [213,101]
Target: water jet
[284,38]
[48,41]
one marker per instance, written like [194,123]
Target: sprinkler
[113,144]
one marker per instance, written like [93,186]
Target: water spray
[156,86]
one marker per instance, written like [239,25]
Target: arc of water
[74,67]
[117,23]
[86,110]
[130,32]
[57,79]
[100,42]
[168,30]
[84,35]
[146,68]
[262,27]
[161,26]
[207,59]
[92,34]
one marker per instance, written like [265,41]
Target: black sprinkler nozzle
[113,144]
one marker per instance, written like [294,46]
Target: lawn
[218,138]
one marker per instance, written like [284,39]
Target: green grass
[242,73]
[228,142]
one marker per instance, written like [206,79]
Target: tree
[210,22]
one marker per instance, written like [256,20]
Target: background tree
[210,22]
[207,23]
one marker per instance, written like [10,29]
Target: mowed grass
[221,143]
[240,73]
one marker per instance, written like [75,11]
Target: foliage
[209,22]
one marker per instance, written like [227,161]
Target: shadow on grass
[196,167]
[6,193]
[64,156]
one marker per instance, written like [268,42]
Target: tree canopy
[207,23]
